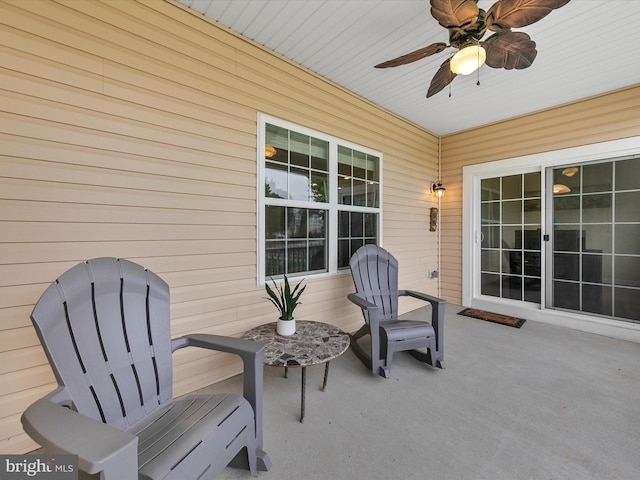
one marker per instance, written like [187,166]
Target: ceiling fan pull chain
[478,82]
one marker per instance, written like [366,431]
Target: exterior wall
[606,117]
[128,129]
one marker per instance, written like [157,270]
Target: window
[319,200]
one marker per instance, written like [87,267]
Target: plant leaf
[273,297]
[287,289]
[298,286]
[295,298]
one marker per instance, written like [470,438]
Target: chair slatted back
[375,275]
[104,325]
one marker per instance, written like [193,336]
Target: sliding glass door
[564,238]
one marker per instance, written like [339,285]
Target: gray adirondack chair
[375,274]
[104,326]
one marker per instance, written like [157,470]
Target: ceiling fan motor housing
[469,34]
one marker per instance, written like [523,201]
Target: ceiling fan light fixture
[269,151]
[559,188]
[468,59]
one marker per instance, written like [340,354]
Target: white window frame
[332,207]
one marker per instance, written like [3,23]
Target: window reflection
[319,187]
[276,181]
[355,229]
[358,178]
[295,240]
[275,222]
[300,185]
[296,165]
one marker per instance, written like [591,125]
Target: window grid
[311,176]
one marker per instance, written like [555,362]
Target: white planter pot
[286,327]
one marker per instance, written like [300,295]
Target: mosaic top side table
[312,344]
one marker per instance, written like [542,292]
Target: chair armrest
[437,307]
[252,354]
[221,343]
[100,447]
[370,310]
[437,320]
[362,302]
[423,296]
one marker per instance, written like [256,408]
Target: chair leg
[386,353]
[379,357]
[430,357]
[253,463]
[434,361]
[264,461]
[434,357]
[248,456]
[370,358]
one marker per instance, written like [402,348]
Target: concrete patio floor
[540,403]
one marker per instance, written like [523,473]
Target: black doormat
[493,317]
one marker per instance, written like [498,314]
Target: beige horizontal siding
[129,129]
[603,118]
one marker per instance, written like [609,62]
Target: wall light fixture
[438,189]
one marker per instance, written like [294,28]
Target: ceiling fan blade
[413,56]
[510,50]
[454,13]
[443,77]
[506,14]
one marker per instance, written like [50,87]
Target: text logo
[50,467]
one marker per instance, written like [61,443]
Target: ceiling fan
[467,24]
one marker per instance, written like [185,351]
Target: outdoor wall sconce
[438,189]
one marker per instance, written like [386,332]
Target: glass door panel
[510,250]
[595,247]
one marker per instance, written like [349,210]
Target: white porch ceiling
[585,48]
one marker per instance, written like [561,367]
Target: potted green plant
[285,300]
